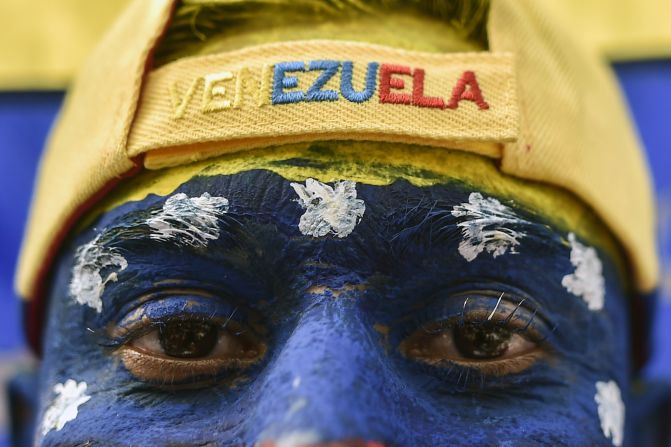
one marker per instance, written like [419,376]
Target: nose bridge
[327,379]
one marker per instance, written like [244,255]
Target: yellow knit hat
[543,106]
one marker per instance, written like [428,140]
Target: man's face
[248,309]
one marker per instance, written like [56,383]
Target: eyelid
[138,300]
[231,285]
[510,294]
[524,327]
[174,304]
[482,302]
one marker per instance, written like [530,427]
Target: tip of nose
[346,443]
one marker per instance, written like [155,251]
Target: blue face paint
[334,322]
[329,69]
[282,81]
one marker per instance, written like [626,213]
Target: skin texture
[333,320]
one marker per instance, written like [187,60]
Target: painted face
[268,307]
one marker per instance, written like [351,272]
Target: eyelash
[483,318]
[457,310]
[127,335]
[462,378]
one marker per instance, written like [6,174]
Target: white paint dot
[92,261]
[187,220]
[64,407]
[587,280]
[329,210]
[485,227]
[611,411]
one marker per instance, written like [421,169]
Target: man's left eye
[188,350]
[497,345]
[491,348]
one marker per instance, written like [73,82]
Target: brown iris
[482,341]
[188,339]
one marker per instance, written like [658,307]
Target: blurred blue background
[25,119]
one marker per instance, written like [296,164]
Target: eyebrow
[427,223]
[134,227]
[432,222]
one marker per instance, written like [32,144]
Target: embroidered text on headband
[301,91]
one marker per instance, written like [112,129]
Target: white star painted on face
[334,210]
[485,227]
[65,406]
[587,280]
[187,220]
[611,411]
[88,284]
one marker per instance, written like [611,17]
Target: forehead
[377,164]
[258,219]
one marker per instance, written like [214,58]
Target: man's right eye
[187,346]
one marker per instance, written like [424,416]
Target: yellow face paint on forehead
[378,163]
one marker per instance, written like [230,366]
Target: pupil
[481,341]
[188,339]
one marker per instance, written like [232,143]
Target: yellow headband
[540,105]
